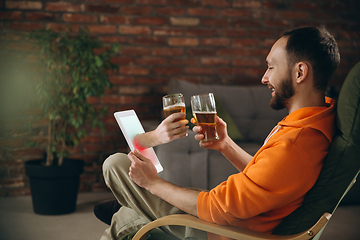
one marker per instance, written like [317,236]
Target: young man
[269,185]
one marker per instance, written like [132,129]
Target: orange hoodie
[275,181]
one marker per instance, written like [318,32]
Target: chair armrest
[227,231]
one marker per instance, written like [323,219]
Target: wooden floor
[18,221]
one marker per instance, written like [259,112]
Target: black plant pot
[54,188]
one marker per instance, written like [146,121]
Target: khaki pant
[139,206]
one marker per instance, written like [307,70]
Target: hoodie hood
[319,118]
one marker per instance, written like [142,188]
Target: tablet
[130,126]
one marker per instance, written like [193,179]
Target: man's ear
[301,71]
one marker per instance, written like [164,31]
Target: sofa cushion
[248,106]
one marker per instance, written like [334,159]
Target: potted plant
[74,68]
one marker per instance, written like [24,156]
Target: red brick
[31,5]
[14,15]
[102,29]
[232,32]
[133,70]
[277,23]
[184,61]
[247,23]
[134,90]
[117,1]
[135,51]
[25,152]
[200,32]
[135,10]
[246,62]
[214,61]
[216,3]
[177,21]
[121,60]
[262,14]
[215,42]
[258,52]
[235,13]
[192,42]
[167,70]
[61,27]
[151,61]
[306,6]
[134,30]
[150,21]
[245,42]
[20,46]
[62,7]
[150,41]
[295,15]
[11,142]
[170,11]
[271,4]
[42,16]
[116,99]
[24,26]
[201,52]
[247,4]
[164,51]
[122,80]
[232,52]
[262,33]
[116,39]
[199,70]
[92,100]
[231,71]
[147,100]
[215,22]
[151,80]
[74,17]
[203,12]
[184,3]
[256,71]
[115,19]
[151,2]
[100,8]
[22,191]
[168,31]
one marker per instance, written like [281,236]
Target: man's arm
[143,173]
[169,129]
[235,154]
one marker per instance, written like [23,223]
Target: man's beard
[283,92]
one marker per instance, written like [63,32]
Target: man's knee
[116,161]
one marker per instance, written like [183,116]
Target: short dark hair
[317,46]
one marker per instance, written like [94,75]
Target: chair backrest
[341,165]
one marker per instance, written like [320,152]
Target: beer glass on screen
[173,103]
[204,111]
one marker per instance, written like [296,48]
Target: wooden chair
[341,167]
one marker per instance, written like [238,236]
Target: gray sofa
[187,164]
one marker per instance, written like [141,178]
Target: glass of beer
[173,103]
[204,111]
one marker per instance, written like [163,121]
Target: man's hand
[142,171]
[222,133]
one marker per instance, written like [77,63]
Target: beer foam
[175,105]
[201,112]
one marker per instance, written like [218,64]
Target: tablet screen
[130,126]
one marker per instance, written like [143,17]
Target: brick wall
[208,41]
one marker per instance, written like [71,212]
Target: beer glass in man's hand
[204,111]
[174,103]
